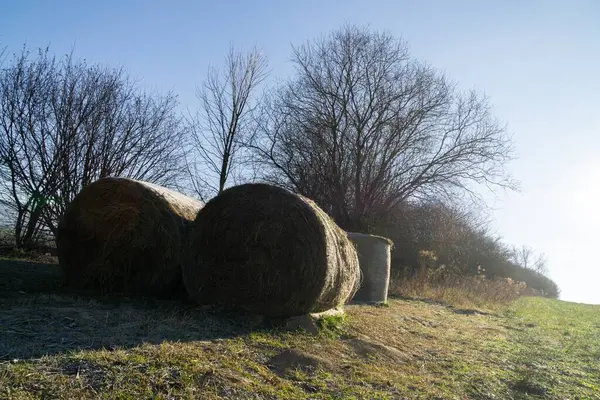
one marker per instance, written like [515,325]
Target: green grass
[68,346]
[557,348]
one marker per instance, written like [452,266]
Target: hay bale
[122,235]
[269,251]
[374,257]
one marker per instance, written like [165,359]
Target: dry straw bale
[122,235]
[269,251]
[374,255]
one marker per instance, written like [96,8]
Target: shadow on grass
[454,309]
[39,316]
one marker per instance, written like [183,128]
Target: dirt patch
[529,388]
[293,359]
[370,349]
[468,311]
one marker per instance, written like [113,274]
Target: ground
[57,344]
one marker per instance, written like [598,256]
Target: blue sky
[538,61]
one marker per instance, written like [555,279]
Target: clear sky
[538,61]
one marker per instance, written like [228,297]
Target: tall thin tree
[220,128]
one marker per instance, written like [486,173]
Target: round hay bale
[374,257]
[268,251]
[122,235]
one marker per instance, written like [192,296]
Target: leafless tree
[362,127]
[526,257]
[220,128]
[64,124]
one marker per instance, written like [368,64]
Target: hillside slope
[55,344]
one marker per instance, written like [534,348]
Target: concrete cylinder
[374,257]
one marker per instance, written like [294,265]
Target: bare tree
[220,128]
[526,257]
[362,127]
[64,124]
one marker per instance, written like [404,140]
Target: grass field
[56,344]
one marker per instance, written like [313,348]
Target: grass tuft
[332,326]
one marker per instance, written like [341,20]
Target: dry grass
[63,346]
[40,257]
[269,251]
[459,291]
[442,285]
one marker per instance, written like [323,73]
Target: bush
[453,242]
[537,283]
[456,290]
